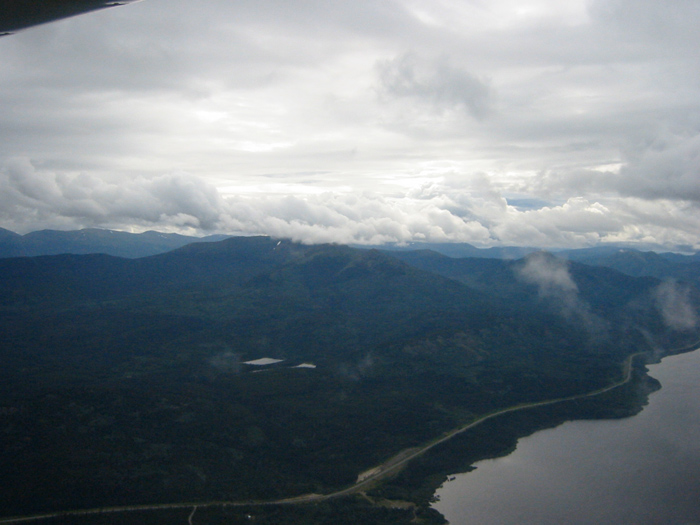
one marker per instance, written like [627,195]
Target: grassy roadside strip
[392,466]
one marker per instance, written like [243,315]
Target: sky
[501,122]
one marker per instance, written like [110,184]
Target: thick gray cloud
[436,83]
[667,168]
[360,121]
[29,196]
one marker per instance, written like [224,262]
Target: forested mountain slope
[129,379]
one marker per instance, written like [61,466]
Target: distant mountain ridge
[94,240]
[638,264]
[586,255]
[133,245]
[629,261]
[461,250]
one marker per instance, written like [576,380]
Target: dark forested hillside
[256,368]
[539,277]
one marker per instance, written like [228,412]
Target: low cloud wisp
[555,284]
[673,301]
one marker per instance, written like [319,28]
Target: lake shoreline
[464,446]
[644,385]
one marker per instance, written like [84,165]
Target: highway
[382,471]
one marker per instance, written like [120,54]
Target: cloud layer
[493,123]
[435,212]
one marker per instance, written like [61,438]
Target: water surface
[638,470]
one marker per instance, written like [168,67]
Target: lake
[640,470]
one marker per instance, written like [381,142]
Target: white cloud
[549,274]
[438,211]
[360,120]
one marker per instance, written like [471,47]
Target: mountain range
[135,245]
[256,368]
[94,240]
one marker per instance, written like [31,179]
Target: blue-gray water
[640,470]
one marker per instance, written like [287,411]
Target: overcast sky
[495,122]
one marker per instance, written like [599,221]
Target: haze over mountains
[94,240]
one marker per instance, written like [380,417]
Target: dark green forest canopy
[127,378]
